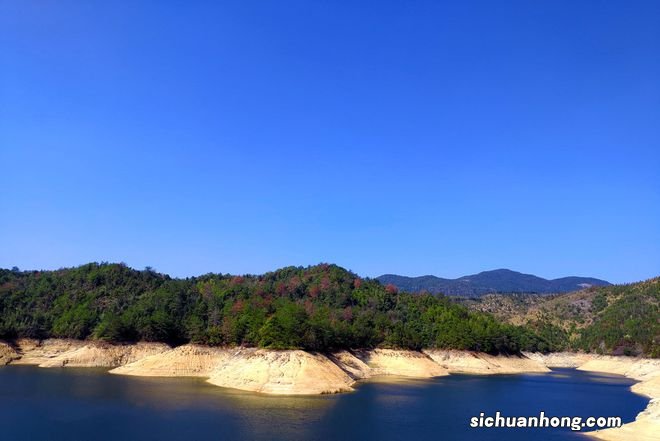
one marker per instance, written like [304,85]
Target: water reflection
[82,404]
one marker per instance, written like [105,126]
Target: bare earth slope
[401,363]
[484,364]
[7,353]
[75,353]
[183,361]
[281,372]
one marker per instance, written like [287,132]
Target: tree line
[318,308]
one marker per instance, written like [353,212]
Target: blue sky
[401,137]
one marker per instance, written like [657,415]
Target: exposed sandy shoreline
[646,426]
[295,372]
[260,370]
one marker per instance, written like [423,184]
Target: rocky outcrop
[105,355]
[400,363]
[183,361]
[7,353]
[281,372]
[353,366]
[560,359]
[37,352]
[76,353]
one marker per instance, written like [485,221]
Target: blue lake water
[88,404]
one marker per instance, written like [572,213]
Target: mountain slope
[496,281]
[617,319]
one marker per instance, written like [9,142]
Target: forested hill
[320,308]
[626,320]
[618,319]
[488,282]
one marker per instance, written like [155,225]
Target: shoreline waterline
[295,372]
[73,403]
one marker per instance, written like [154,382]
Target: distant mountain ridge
[488,282]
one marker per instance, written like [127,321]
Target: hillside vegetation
[317,308]
[619,319]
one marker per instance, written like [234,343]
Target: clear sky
[409,137]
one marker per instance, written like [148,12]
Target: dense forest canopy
[319,308]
